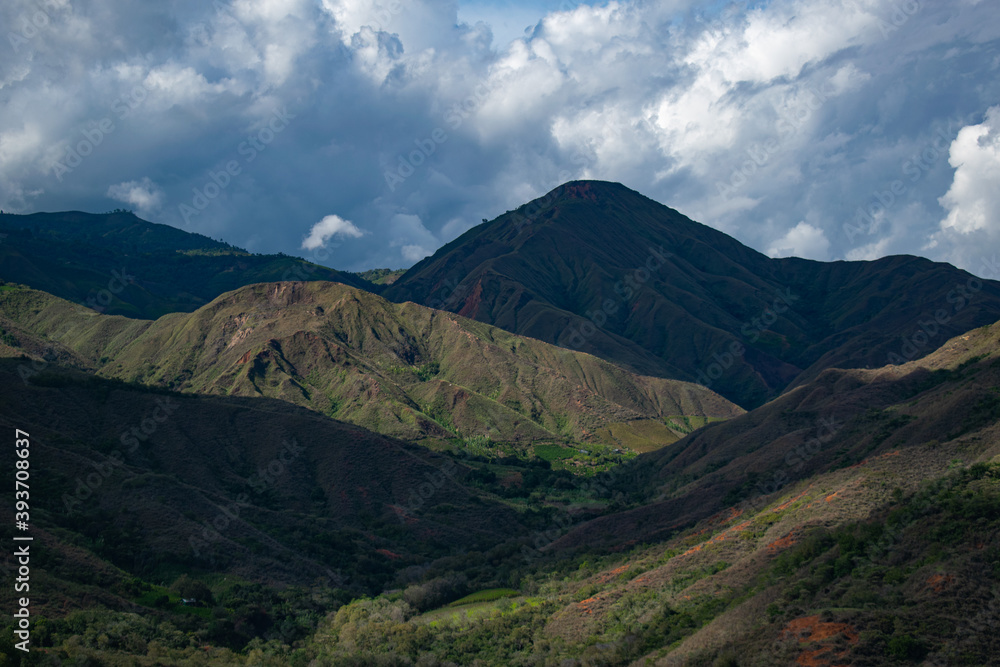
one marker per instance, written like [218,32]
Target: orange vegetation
[782,543]
[939,582]
[721,537]
[608,576]
[811,629]
[788,503]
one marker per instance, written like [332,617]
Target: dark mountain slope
[117,263]
[157,484]
[597,267]
[929,408]
[854,520]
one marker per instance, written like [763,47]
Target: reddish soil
[584,605]
[471,305]
[810,629]
[788,503]
[581,191]
[874,458]
[939,582]
[782,543]
[608,576]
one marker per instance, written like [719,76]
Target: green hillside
[873,544]
[400,370]
[877,545]
[119,264]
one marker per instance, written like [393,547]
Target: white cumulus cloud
[144,195]
[327,228]
[803,240]
[973,201]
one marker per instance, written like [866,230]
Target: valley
[513,453]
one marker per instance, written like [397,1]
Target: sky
[368,133]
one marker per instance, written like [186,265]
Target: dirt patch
[788,503]
[783,543]
[874,458]
[811,629]
[939,582]
[608,576]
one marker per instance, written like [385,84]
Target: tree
[187,587]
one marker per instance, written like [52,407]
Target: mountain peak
[597,267]
[586,190]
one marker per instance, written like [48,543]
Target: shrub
[905,647]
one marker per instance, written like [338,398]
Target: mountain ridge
[573,268]
[120,264]
[402,370]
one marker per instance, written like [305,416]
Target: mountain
[594,266]
[119,264]
[854,520]
[222,486]
[379,278]
[129,481]
[401,370]
[926,410]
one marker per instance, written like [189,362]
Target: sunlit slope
[398,369]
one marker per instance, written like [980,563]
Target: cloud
[754,119]
[803,240]
[144,195]
[327,228]
[415,253]
[414,240]
[973,200]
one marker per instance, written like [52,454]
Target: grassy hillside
[379,278]
[875,546]
[401,370]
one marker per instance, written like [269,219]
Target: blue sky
[509,19]
[368,133]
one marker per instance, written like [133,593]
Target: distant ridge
[119,264]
